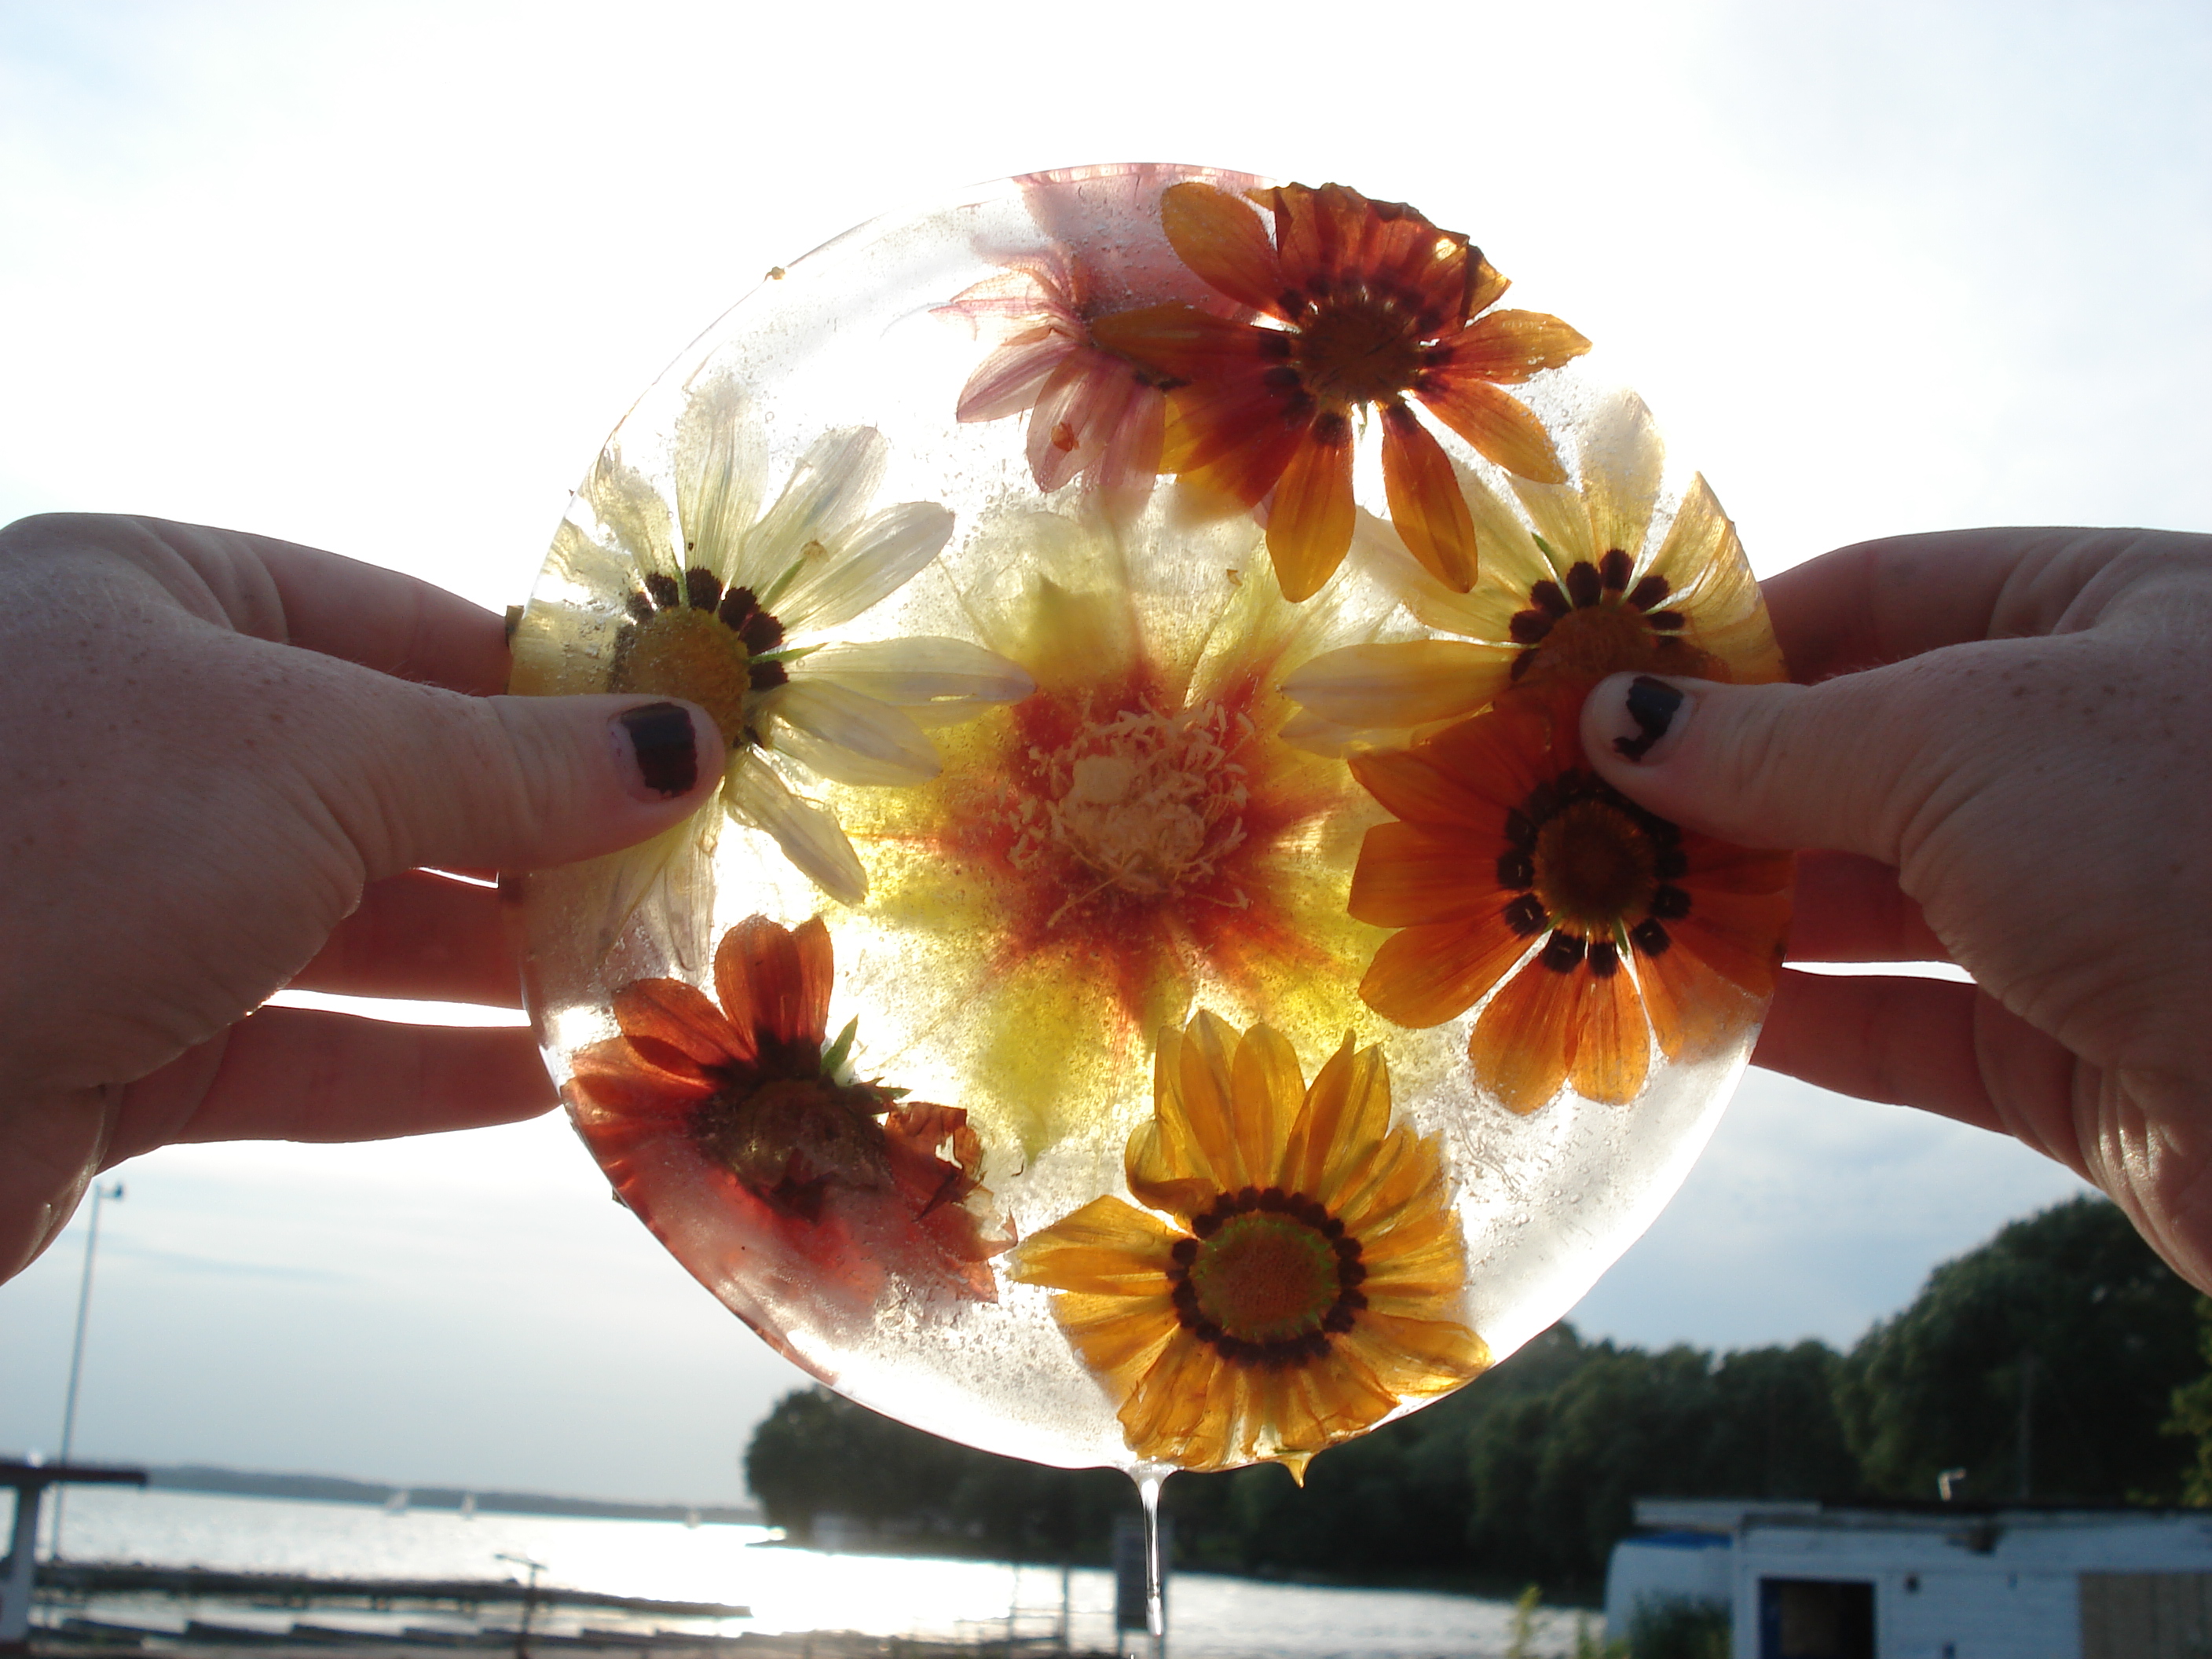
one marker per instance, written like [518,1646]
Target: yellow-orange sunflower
[1303,1286]
[1582,582]
[1362,305]
[737,1131]
[1601,928]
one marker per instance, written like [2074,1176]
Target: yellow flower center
[1595,866]
[689,655]
[1356,350]
[1265,1278]
[698,640]
[1148,803]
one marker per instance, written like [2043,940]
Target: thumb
[439,778]
[1847,765]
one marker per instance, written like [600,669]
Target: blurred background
[379,278]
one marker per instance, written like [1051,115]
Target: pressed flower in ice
[1295,1277]
[731,1122]
[725,601]
[1361,306]
[1580,583]
[1132,836]
[1092,411]
[1602,929]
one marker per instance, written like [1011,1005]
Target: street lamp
[99,1195]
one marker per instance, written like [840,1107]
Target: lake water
[1209,1617]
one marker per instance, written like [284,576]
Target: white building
[1951,1581]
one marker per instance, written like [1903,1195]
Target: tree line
[2060,1359]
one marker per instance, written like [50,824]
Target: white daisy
[725,604]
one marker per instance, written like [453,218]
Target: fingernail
[1649,713]
[656,747]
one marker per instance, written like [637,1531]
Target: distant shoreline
[333,1489]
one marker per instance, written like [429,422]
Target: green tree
[2192,1417]
[1557,1475]
[2066,1321]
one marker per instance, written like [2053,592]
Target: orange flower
[1306,1285]
[1093,411]
[745,1143]
[1362,304]
[1515,869]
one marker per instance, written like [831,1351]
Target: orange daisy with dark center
[736,1115]
[1594,622]
[1357,305]
[695,639]
[1597,930]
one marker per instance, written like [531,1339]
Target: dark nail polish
[667,749]
[1651,705]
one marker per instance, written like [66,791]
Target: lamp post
[529,1600]
[99,1195]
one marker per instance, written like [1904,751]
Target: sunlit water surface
[786,1589]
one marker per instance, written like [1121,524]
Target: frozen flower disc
[1159,984]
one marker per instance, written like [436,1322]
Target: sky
[381,278]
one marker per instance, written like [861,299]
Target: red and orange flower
[1361,305]
[1597,930]
[736,1132]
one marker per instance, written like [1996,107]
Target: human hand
[2001,749]
[228,761]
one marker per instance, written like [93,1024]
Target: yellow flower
[1301,1289]
[1578,584]
[734,604]
[1132,838]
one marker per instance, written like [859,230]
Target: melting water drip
[1150,1478]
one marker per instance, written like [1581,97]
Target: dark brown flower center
[697,641]
[1267,1278]
[791,1138]
[1358,350]
[1591,868]
[1595,622]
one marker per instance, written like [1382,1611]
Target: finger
[1883,601]
[1934,1044]
[301,1074]
[1847,765]
[1851,908]
[288,594]
[416,777]
[420,935]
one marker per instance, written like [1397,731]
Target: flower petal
[1187,344]
[1404,684]
[668,1011]
[1425,975]
[881,557]
[1523,1043]
[1613,1049]
[777,979]
[1426,507]
[1309,518]
[1622,458]
[830,488]
[1500,426]
[807,832]
[1220,237]
[1107,1248]
[922,669]
[1007,381]
[1265,1092]
[629,505]
[838,734]
[1341,1124]
[1509,347]
[718,478]
[1711,586]
[1410,875]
